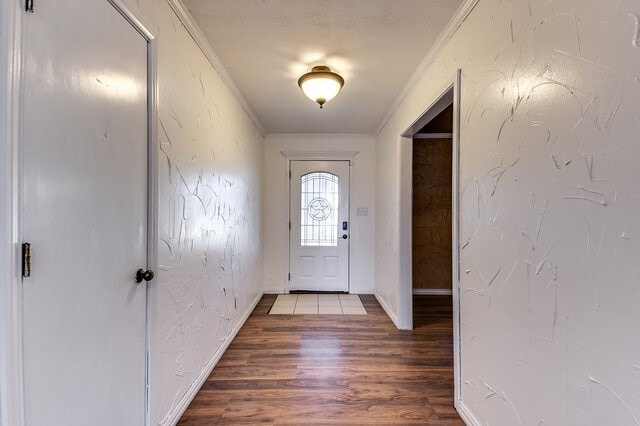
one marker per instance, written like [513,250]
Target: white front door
[85,215]
[319,235]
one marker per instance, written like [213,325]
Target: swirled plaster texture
[210,202]
[549,231]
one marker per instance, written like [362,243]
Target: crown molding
[446,34]
[201,41]
[316,136]
[319,155]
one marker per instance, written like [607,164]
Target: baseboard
[433,291]
[195,387]
[283,291]
[392,315]
[353,289]
[468,418]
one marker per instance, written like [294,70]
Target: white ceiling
[376,45]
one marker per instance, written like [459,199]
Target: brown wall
[432,213]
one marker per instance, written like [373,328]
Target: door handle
[344,236]
[141,274]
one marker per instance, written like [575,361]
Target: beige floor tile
[314,304]
[328,297]
[307,300]
[307,296]
[328,303]
[349,297]
[285,300]
[305,310]
[287,296]
[353,310]
[349,302]
[329,310]
[281,310]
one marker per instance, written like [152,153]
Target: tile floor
[318,304]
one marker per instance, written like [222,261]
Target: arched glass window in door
[319,209]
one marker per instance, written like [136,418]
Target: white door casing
[450,95]
[85,193]
[319,214]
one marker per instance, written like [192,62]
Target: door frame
[11,397]
[13,17]
[316,156]
[450,95]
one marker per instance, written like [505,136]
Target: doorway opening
[431,259]
[429,243]
[431,207]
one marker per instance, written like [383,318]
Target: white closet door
[85,215]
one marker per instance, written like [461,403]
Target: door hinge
[28,6]
[289,277]
[289,174]
[289,225]
[26,260]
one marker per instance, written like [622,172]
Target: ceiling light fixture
[321,84]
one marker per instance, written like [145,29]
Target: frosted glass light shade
[321,84]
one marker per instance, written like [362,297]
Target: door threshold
[316,292]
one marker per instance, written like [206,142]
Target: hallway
[295,369]
[165,171]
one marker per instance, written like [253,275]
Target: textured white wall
[210,205]
[550,239]
[276,205]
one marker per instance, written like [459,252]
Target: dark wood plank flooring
[328,369]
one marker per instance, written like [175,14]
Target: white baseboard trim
[392,315]
[467,417]
[182,406]
[433,291]
[283,291]
[360,288]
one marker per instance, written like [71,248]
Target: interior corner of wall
[387,308]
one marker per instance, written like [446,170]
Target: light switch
[362,211]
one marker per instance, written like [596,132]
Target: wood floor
[323,369]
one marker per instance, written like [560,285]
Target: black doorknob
[141,274]
[344,236]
